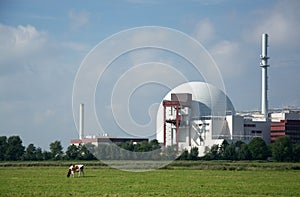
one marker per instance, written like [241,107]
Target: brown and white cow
[75,168]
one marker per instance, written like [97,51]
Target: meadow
[175,180]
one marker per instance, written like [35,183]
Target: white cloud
[26,49]
[36,77]
[42,117]
[19,42]
[281,22]
[204,31]
[78,19]
[229,58]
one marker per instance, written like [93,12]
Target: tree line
[281,150]
[11,149]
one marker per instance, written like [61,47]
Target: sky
[44,43]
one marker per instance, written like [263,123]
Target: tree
[15,149]
[222,148]
[229,153]
[258,149]
[3,147]
[144,147]
[128,145]
[212,153]
[244,152]
[84,153]
[72,152]
[282,149]
[193,154]
[56,150]
[46,155]
[154,144]
[184,155]
[30,153]
[296,152]
[39,154]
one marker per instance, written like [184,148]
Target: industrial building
[286,122]
[198,114]
[96,140]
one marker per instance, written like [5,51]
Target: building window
[256,132]
[249,125]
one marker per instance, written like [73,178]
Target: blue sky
[42,44]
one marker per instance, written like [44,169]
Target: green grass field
[186,181]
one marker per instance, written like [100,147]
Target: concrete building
[197,114]
[286,122]
[95,140]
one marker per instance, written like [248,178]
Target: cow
[75,168]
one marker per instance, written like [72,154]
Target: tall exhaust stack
[81,120]
[264,78]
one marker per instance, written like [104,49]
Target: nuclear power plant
[198,114]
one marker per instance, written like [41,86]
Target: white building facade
[197,114]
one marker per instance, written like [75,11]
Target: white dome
[210,100]
[208,103]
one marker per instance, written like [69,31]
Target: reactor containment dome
[194,114]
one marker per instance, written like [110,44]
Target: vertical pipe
[177,125]
[81,121]
[264,83]
[165,126]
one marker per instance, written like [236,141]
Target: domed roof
[207,99]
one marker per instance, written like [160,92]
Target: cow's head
[69,173]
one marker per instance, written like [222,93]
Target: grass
[188,181]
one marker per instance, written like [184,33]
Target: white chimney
[81,121]
[264,78]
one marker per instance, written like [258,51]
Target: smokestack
[264,78]
[81,120]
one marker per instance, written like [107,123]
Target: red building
[288,125]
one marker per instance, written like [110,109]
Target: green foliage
[39,154]
[15,149]
[30,153]
[212,153]
[244,152]
[220,151]
[282,149]
[3,147]
[296,152]
[258,149]
[230,153]
[11,149]
[72,152]
[56,150]
[238,151]
[193,154]
[184,155]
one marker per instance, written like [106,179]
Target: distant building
[105,139]
[287,123]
